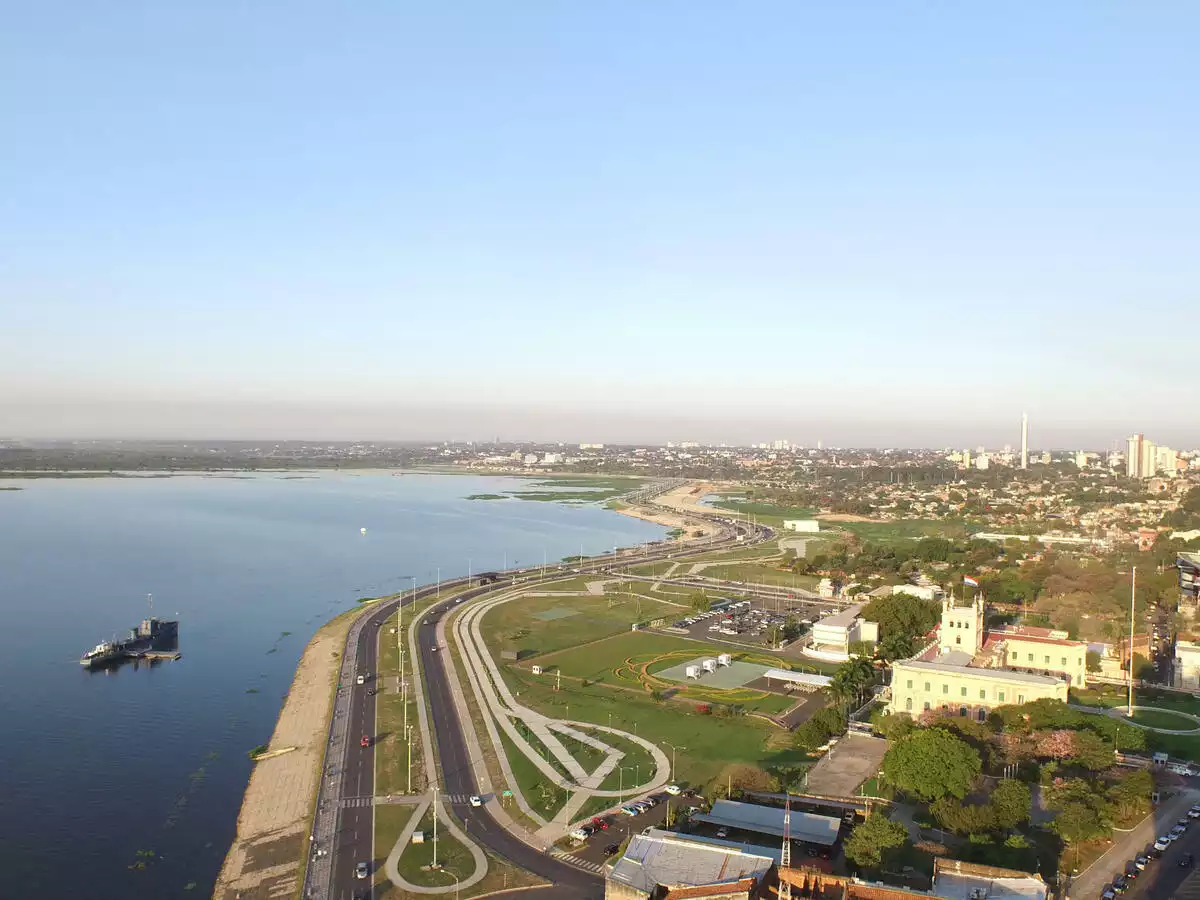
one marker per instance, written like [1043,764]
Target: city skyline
[863,225]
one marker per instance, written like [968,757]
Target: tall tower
[962,626]
[1024,440]
[1133,457]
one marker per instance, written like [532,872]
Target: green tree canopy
[1011,802]
[871,838]
[903,614]
[932,763]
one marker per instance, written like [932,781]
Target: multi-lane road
[344,823]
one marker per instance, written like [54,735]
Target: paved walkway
[1118,712]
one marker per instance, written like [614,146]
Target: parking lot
[620,826]
[738,622]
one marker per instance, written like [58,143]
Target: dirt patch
[845,517]
[266,859]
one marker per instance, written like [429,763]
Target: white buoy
[362,531]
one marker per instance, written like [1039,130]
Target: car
[1131,871]
[722,832]
[1193,813]
[579,834]
[365,742]
[1183,823]
[433,649]
[673,789]
[1177,832]
[371,692]
[1120,884]
[475,800]
[629,811]
[359,680]
[362,870]
[1108,893]
[1141,861]
[1162,843]
[1186,861]
[600,823]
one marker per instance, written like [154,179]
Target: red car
[600,823]
[366,741]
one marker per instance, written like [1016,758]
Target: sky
[872,224]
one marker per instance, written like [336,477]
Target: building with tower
[971,670]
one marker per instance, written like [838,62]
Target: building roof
[798,677]
[775,852]
[957,880]
[989,674]
[843,619]
[1003,634]
[1189,557]
[812,829]
[679,862]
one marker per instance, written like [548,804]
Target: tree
[1093,661]
[903,614]
[700,603]
[1079,822]
[1011,802]
[895,646]
[874,835]
[932,763]
[824,724]
[1092,751]
[963,818]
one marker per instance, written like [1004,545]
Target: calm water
[97,768]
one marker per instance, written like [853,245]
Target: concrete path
[1118,713]
[503,711]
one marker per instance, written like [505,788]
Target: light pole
[621,795]
[450,872]
[408,734]
[673,749]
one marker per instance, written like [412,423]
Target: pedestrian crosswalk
[578,863]
[349,802]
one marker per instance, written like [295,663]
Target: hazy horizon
[870,225]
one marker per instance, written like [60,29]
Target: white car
[673,789]
[433,649]
[1177,832]
[362,870]
[475,800]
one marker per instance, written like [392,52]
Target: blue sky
[867,223]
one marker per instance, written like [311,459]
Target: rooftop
[990,674]
[679,862]
[843,619]
[806,827]
[957,880]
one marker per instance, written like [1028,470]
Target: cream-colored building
[966,690]
[1039,651]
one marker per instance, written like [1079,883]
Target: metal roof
[798,677]
[989,674]
[806,827]
[672,859]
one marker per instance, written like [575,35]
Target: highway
[344,821]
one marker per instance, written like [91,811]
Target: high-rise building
[1149,461]
[1167,461]
[1133,456]
[1024,440]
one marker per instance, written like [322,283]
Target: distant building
[1189,576]
[531,459]
[809,526]
[1187,664]
[924,591]
[952,880]
[833,635]
[1133,456]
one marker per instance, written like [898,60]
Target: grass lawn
[391,750]
[600,659]
[390,820]
[588,757]
[452,857]
[543,625]
[902,531]
[711,741]
[1161,718]
[759,574]
[539,793]
[654,568]
[766,513]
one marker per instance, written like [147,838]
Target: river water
[128,783]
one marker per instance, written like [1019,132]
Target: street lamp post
[621,790]
[673,749]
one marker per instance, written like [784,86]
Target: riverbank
[266,858]
[672,509]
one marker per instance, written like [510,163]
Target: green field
[902,531]
[539,792]
[538,626]
[391,749]
[767,513]
[760,574]
[711,741]
[1161,718]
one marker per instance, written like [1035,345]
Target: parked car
[1162,843]
[1177,832]
[1131,871]
[1141,861]
[629,811]
[673,789]
[722,832]
[1108,893]
[600,823]
[611,849]
[1120,884]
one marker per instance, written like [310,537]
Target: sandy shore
[265,860]
[667,510]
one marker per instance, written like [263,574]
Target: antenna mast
[150,600]
[785,858]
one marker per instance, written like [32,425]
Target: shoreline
[267,856]
[675,505]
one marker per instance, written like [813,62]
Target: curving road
[343,824]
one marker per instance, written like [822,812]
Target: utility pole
[1132,596]
[435,818]
[439,582]
[408,733]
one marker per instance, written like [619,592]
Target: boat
[151,636]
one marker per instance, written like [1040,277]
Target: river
[128,782]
